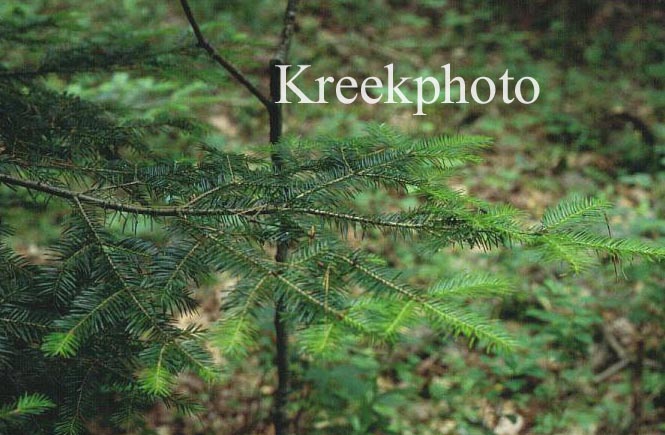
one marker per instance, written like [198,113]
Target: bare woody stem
[281,397]
[280,420]
[184,211]
[228,66]
[279,417]
[166,211]
[288,31]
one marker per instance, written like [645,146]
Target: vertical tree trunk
[279,417]
[280,420]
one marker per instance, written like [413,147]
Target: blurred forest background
[592,346]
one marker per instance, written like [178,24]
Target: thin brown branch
[614,344]
[228,66]
[186,210]
[112,187]
[61,192]
[611,371]
[288,31]
[373,221]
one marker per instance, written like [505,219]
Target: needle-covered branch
[156,211]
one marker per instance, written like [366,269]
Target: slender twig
[179,211]
[611,371]
[228,66]
[112,187]
[163,211]
[374,221]
[614,344]
[197,198]
[114,268]
[287,32]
